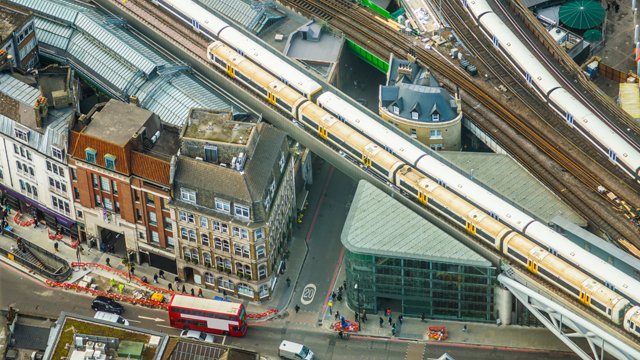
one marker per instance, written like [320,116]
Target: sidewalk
[279,300]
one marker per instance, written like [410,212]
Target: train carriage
[263,83]
[632,320]
[195,15]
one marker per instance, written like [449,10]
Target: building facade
[396,259]
[234,201]
[17,36]
[414,101]
[121,158]
[33,145]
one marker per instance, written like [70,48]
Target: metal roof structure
[510,180]
[118,62]
[379,225]
[253,17]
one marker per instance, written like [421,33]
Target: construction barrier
[55,236]
[114,296]
[125,275]
[16,219]
[262,315]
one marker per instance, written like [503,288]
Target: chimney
[134,100]
[41,109]
[404,70]
[5,60]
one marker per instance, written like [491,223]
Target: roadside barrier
[16,219]
[115,296]
[263,314]
[124,274]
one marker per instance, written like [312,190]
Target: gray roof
[249,187]
[379,225]
[254,17]
[118,61]
[509,179]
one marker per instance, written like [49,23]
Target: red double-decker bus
[212,316]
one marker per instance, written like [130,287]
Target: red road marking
[333,279]
[315,216]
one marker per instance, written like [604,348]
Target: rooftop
[117,122]
[218,126]
[253,16]
[377,224]
[11,18]
[509,179]
[182,349]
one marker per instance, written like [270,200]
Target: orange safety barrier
[54,236]
[124,274]
[115,296]
[16,219]
[262,315]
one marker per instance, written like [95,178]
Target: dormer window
[90,155]
[57,153]
[396,109]
[435,117]
[414,115]
[188,195]
[21,134]
[110,162]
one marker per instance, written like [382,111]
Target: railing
[62,273]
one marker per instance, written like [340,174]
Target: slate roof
[254,17]
[248,188]
[509,179]
[379,225]
[419,91]
[119,62]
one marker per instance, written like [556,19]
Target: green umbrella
[592,35]
[582,14]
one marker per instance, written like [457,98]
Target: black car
[102,303]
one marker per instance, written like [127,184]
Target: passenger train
[388,155]
[576,115]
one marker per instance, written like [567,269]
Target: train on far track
[620,150]
[393,158]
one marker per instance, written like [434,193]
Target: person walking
[176,283]
[330,305]
[422,317]
[333,296]
[288,282]
[161,274]
[170,287]
[390,320]
[155,278]
[381,321]
[193,292]
[400,318]
[184,289]
[388,311]
[364,316]
[55,246]
[297,308]
[200,293]
[464,328]
[133,270]
[337,316]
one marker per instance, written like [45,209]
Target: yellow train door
[230,71]
[584,298]
[366,161]
[272,98]
[422,197]
[532,266]
[471,229]
[323,132]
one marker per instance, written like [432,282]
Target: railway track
[356,21]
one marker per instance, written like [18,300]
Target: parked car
[197,335]
[102,303]
[114,318]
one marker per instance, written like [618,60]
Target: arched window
[186,252]
[227,264]
[245,251]
[262,272]
[208,278]
[237,249]
[226,284]
[244,289]
[247,270]
[195,257]
[225,245]
[219,261]
[206,257]
[260,252]
[239,269]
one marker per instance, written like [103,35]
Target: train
[574,112]
[432,183]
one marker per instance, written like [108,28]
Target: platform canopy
[582,14]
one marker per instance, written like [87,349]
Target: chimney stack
[41,109]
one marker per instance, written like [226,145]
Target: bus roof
[192,302]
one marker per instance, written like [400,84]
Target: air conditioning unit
[156,136]
[89,345]
[100,347]
[88,354]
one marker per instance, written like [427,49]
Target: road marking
[165,326]
[150,318]
[308,293]
[135,321]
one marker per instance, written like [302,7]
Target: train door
[532,266]
[323,132]
[585,298]
[422,197]
[231,71]
[471,229]
[272,98]
[366,161]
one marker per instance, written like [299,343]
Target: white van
[114,318]
[294,351]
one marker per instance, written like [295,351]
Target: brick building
[121,158]
[234,201]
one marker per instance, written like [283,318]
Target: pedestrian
[200,293]
[55,246]
[155,278]
[393,331]
[108,261]
[364,316]
[170,287]
[333,296]
[133,270]
[176,283]
[297,308]
[121,288]
[193,292]
[340,289]
[184,289]
[224,293]
[422,317]
[464,328]
[390,320]
[113,282]
[344,284]
[400,318]
[161,274]
[357,317]
[330,305]
[388,311]
[337,316]
[288,282]
[381,321]
[339,297]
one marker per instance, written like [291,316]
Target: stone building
[414,101]
[234,201]
[17,36]
[121,158]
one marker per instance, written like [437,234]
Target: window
[247,270]
[222,205]
[184,234]
[153,220]
[138,215]
[114,186]
[57,153]
[150,200]
[396,110]
[237,249]
[155,238]
[205,239]
[262,272]
[259,234]
[192,235]
[245,252]
[90,155]
[191,218]
[414,133]
[435,134]
[225,246]
[235,231]
[117,207]
[76,193]
[110,162]
[167,223]
[60,205]
[108,204]
[21,134]
[74,174]
[170,243]
[183,216]
[216,225]
[206,258]
[187,253]
[282,161]
[260,252]
[136,196]
[94,181]
[241,211]
[188,195]
[436,147]
[415,115]
[244,233]
[435,117]
[217,243]
[211,153]
[97,200]
[105,184]
[208,277]
[203,222]
[225,228]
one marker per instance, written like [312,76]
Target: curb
[22,269]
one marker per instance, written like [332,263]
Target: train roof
[379,225]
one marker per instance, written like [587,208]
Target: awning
[62,220]
[582,14]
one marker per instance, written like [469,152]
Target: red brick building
[121,158]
